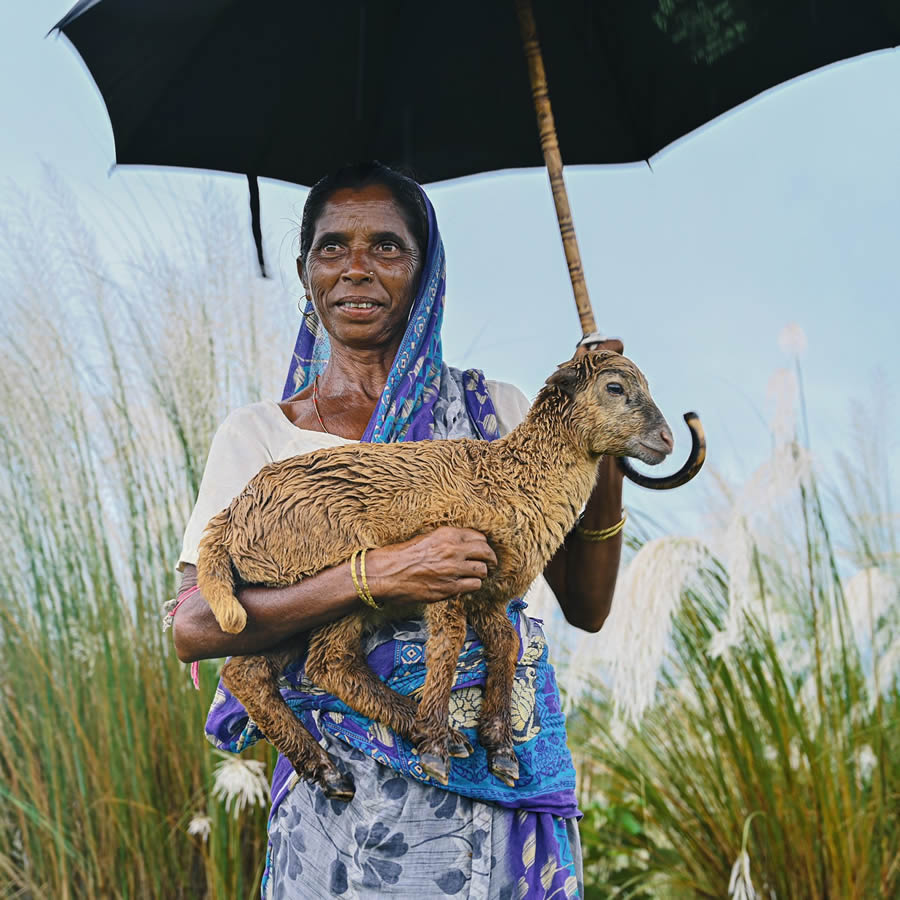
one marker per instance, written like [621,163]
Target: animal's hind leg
[336,662]
[254,681]
[446,623]
[501,650]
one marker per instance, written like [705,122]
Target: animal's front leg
[446,623]
[501,650]
[336,663]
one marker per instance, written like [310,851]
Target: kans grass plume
[777,696]
[240,783]
[795,717]
[114,378]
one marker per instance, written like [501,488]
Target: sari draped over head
[426,399]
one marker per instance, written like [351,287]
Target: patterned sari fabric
[476,837]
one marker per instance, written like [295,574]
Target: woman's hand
[615,344]
[433,566]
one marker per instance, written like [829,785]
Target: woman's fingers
[465,586]
[473,542]
[433,566]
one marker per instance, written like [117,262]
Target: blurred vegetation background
[735,724]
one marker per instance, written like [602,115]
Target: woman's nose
[358,268]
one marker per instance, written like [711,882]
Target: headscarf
[405,411]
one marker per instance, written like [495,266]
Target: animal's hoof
[505,766]
[336,786]
[435,765]
[459,746]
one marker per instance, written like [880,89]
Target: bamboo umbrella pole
[553,160]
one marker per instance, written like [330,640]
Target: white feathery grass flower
[200,826]
[740,887]
[758,521]
[783,391]
[632,645]
[866,760]
[241,782]
[792,339]
[887,668]
[871,597]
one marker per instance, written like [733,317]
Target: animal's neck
[554,470]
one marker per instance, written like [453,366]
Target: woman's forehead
[367,209]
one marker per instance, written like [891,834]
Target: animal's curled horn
[685,473]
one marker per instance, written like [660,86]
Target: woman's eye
[615,388]
[389,246]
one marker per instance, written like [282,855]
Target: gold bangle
[363,593]
[362,571]
[353,573]
[603,534]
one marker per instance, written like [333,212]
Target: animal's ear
[566,378]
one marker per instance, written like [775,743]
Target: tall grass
[111,388]
[780,720]
[770,710]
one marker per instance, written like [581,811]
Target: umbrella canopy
[289,90]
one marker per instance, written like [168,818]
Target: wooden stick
[553,160]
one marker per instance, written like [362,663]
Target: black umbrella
[287,90]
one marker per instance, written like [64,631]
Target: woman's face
[362,268]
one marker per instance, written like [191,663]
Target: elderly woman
[368,366]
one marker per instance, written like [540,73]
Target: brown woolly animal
[523,492]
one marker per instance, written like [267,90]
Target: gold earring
[300,306]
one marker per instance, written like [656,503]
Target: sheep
[523,492]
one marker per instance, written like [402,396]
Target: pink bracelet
[184,596]
[171,608]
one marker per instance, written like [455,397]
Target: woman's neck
[356,376]
[346,393]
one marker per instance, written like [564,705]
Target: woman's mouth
[357,304]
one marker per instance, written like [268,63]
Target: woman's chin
[359,314]
[364,333]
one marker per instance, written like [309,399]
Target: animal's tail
[215,576]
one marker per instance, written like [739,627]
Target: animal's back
[306,513]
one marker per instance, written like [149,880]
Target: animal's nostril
[666,437]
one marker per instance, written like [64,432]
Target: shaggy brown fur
[523,492]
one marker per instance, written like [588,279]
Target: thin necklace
[316,404]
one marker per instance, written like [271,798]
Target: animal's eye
[615,388]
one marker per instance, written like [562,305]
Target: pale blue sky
[787,210]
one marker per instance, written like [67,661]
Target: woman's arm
[583,573]
[431,567]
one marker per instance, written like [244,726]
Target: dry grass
[112,389]
[775,696]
